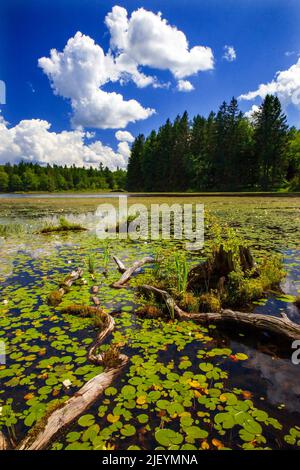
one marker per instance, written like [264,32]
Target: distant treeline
[34,177]
[224,152]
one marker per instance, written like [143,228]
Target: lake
[191,381]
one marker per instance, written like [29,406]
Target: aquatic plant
[189,302]
[64,226]
[100,318]
[8,230]
[111,357]
[181,270]
[149,311]
[209,302]
[8,419]
[106,256]
[91,264]
[55,298]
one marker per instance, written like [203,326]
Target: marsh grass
[106,257]
[91,264]
[9,230]
[111,357]
[182,271]
[100,318]
[64,226]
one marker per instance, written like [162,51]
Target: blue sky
[263,33]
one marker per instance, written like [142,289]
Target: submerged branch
[44,432]
[130,271]
[280,326]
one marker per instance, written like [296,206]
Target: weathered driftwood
[280,326]
[129,272]
[96,300]
[4,444]
[73,408]
[56,296]
[70,279]
[82,399]
[121,266]
[63,416]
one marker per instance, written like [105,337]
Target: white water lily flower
[5,302]
[1,408]
[67,383]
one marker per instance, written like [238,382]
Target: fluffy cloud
[147,39]
[124,136]
[77,74]
[249,114]
[229,53]
[80,71]
[286,85]
[32,141]
[184,85]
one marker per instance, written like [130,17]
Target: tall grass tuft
[91,265]
[64,226]
[182,271]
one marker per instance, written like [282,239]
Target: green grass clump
[210,302]
[64,226]
[190,302]
[55,298]
[242,289]
[91,265]
[182,271]
[100,318]
[8,230]
[111,357]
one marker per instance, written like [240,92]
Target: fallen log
[73,408]
[56,296]
[129,272]
[82,400]
[281,326]
[45,431]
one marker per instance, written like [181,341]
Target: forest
[34,177]
[227,151]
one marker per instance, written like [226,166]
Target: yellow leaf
[194,384]
[110,446]
[218,444]
[141,400]
[112,418]
[197,394]
[29,396]
[223,397]
[205,445]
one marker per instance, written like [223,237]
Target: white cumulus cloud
[144,39]
[77,74]
[124,136]
[32,141]
[185,85]
[286,85]
[147,39]
[249,114]
[229,53]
